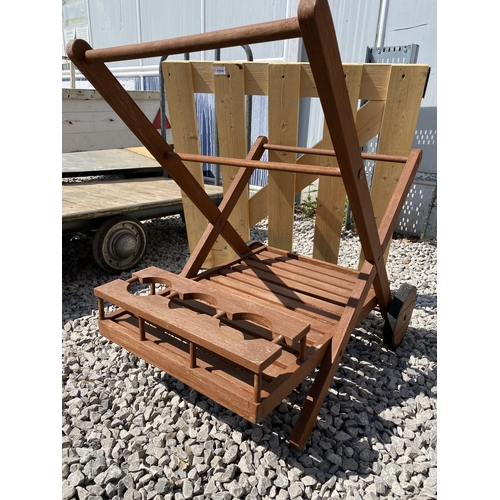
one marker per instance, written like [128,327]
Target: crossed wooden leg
[350,318]
[230,199]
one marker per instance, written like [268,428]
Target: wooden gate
[390,95]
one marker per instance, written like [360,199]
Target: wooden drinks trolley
[246,332]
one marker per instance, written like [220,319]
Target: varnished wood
[226,304]
[273,166]
[319,39]
[333,355]
[331,196]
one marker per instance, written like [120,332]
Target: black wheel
[119,243]
[252,244]
[399,315]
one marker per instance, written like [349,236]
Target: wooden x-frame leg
[319,38]
[230,199]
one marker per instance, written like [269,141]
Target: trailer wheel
[399,315]
[119,243]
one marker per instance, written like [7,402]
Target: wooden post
[257,384]
[192,355]
[142,333]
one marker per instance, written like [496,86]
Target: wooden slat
[310,264]
[331,191]
[333,311]
[284,97]
[229,87]
[226,391]
[182,115]
[374,81]
[297,266]
[300,276]
[320,321]
[96,199]
[247,328]
[293,282]
[339,277]
[397,131]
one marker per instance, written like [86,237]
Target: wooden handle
[244,35]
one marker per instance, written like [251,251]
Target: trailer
[113,209]
[116,188]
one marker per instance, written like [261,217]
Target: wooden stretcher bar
[251,164]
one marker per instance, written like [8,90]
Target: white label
[219,70]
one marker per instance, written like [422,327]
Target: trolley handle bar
[244,35]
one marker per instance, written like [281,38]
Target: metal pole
[379,42]
[218,179]
[249,54]
[382,23]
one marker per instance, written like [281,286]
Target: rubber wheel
[252,244]
[399,315]
[119,243]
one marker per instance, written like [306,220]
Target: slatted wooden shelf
[236,317]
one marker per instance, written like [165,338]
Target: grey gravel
[131,431]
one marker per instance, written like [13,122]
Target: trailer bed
[108,161]
[84,205]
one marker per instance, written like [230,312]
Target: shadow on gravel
[379,410]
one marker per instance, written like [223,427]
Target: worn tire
[119,243]
[399,315]
[251,244]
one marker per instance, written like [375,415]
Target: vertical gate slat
[331,191]
[179,89]
[229,86]
[397,130]
[284,98]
